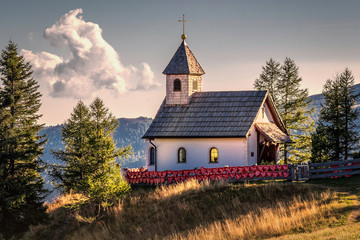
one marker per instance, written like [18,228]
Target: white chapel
[194,129]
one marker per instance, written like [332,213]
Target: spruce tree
[295,112]
[76,164]
[21,186]
[269,79]
[89,158]
[320,145]
[106,185]
[336,133]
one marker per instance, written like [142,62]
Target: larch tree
[296,113]
[336,135]
[269,79]
[21,186]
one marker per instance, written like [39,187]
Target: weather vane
[183,36]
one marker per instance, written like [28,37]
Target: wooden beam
[262,151]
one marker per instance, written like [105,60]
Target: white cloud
[93,64]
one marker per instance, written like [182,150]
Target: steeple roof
[183,62]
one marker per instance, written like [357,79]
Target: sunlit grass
[193,210]
[267,222]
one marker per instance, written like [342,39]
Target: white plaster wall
[252,146]
[232,152]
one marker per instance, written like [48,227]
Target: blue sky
[230,39]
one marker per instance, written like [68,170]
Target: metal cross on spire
[183,36]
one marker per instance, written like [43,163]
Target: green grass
[351,184]
[347,232]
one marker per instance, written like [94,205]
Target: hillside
[193,210]
[318,99]
[129,132]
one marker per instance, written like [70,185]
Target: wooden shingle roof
[183,62]
[273,133]
[209,114]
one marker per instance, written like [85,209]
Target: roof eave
[180,73]
[172,137]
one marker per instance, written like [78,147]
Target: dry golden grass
[63,200]
[267,222]
[62,218]
[193,210]
[192,186]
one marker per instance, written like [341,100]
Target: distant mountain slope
[129,132]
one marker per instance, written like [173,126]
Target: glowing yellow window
[214,155]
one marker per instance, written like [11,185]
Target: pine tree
[336,132]
[295,112]
[90,154]
[21,186]
[269,79]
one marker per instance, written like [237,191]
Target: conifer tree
[106,185]
[283,82]
[295,112]
[21,186]
[336,133]
[320,144]
[76,164]
[89,158]
[269,79]
[350,114]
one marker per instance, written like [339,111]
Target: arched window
[214,155]
[177,85]
[182,155]
[152,156]
[195,85]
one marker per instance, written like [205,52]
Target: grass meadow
[323,209]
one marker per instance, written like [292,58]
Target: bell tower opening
[177,85]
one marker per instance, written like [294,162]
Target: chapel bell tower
[183,75]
